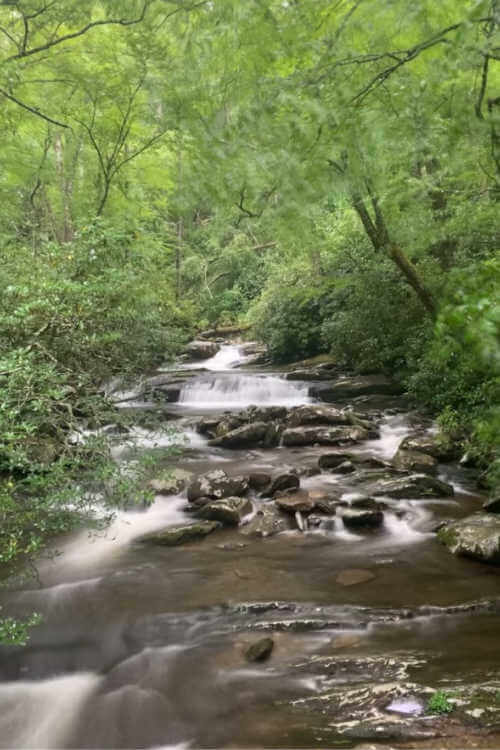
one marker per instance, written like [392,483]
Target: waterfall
[240,391]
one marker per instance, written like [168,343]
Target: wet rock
[346,467]
[413,487]
[216,484]
[299,501]
[366,502]
[260,650]
[228,424]
[354,576]
[181,534]
[328,506]
[431,445]
[492,505]
[332,460]
[172,483]
[273,436]
[208,426]
[356,518]
[299,436]
[228,511]
[202,349]
[286,481]
[168,393]
[251,435]
[264,413]
[476,536]
[314,414]
[259,481]
[266,522]
[352,387]
[411,460]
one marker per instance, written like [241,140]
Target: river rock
[356,518]
[492,505]
[228,511]
[260,650]
[413,487]
[346,467]
[266,522]
[294,502]
[345,388]
[298,436]
[264,413]
[259,481]
[216,484]
[309,373]
[248,436]
[202,349]
[410,460]
[431,445]
[208,426]
[286,481]
[365,502]
[316,414]
[172,483]
[476,536]
[173,536]
[228,424]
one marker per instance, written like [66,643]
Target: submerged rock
[476,536]
[229,511]
[354,576]
[181,534]
[413,487]
[260,650]
[412,460]
[216,484]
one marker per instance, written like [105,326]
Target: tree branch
[33,110]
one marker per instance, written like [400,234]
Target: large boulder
[298,436]
[228,511]
[410,460]
[332,460]
[264,413]
[208,426]
[309,373]
[172,536]
[294,502]
[317,414]
[251,435]
[431,445]
[413,487]
[266,522]
[477,536]
[346,388]
[217,485]
[202,349]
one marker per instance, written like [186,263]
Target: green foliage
[439,703]
[16,632]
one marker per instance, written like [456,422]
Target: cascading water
[240,391]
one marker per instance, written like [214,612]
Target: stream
[143,646]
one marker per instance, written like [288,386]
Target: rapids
[142,646]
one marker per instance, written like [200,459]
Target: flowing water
[142,646]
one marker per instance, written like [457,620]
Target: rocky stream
[304,578]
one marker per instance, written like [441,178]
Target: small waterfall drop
[240,391]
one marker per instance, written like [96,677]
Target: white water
[240,391]
[41,714]
[392,432]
